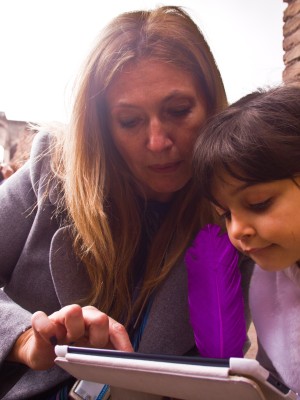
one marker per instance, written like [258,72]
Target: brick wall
[291,41]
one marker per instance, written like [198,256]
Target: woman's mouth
[165,168]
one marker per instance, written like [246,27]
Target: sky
[44,42]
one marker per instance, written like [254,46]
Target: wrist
[18,352]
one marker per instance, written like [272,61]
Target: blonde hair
[99,192]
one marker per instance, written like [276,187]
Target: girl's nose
[240,228]
[158,139]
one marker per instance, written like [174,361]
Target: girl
[247,163]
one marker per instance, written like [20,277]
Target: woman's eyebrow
[177,93]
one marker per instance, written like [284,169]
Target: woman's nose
[241,228]
[159,138]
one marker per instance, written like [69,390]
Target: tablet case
[138,377]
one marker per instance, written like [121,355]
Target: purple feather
[216,301]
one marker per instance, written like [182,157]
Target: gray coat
[38,272]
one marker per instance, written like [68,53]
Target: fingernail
[53,340]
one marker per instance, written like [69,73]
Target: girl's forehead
[224,181]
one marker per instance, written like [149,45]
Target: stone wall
[16,138]
[291,41]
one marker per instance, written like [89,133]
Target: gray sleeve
[18,199]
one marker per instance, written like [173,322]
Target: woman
[100,217]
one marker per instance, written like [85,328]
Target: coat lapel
[69,276]
[168,330]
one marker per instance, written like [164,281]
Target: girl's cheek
[235,243]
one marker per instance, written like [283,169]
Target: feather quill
[215,295]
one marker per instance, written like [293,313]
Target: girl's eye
[223,214]
[261,206]
[226,215]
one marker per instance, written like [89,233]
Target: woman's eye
[129,122]
[180,111]
[261,206]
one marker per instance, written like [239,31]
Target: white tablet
[188,378]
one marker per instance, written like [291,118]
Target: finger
[71,318]
[74,323]
[118,336]
[96,326]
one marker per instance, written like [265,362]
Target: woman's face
[156,111]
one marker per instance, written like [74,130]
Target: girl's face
[156,112]
[263,220]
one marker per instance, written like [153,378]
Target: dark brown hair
[256,139]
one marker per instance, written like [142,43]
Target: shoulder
[41,173]
[40,148]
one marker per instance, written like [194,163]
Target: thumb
[44,329]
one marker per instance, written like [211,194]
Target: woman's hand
[80,326]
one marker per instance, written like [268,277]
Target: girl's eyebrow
[243,187]
[235,191]
[240,188]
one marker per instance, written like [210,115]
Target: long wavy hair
[99,192]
